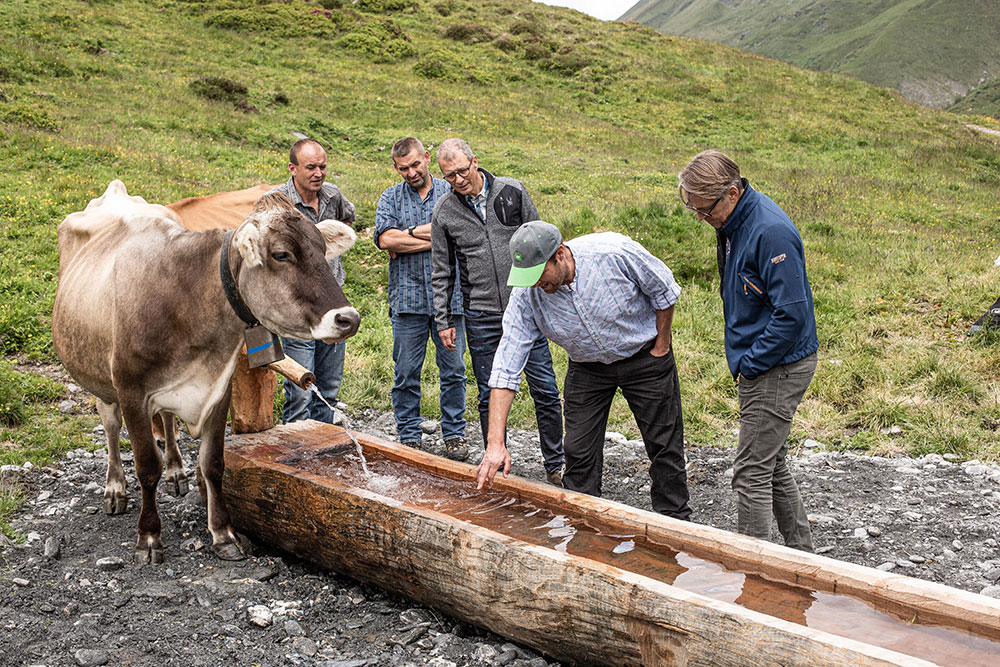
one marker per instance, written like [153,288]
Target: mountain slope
[896,203]
[932,51]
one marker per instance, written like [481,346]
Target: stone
[812,444]
[860,532]
[874,531]
[505,657]
[822,550]
[991,591]
[18,581]
[88,657]
[615,438]
[957,545]
[486,653]
[304,646]
[915,558]
[53,548]
[66,407]
[260,616]
[110,564]
[294,629]
[888,566]
[429,426]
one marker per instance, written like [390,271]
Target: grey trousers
[761,478]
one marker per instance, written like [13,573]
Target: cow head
[284,277]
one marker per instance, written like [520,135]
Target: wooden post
[252,405]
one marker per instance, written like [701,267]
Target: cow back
[225,210]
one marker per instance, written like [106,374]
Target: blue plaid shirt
[410,289]
[478,201]
[607,313]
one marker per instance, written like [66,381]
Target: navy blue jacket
[766,298]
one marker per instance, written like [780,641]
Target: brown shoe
[555,477]
[456,449]
[411,443]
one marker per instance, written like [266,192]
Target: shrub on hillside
[221,89]
[472,33]
[380,6]
[380,38]
[448,7]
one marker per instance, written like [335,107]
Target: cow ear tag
[263,347]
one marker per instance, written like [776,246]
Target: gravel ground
[69,594]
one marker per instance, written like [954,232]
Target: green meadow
[897,204]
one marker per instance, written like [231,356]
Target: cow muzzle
[337,325]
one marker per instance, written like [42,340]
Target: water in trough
[557,528]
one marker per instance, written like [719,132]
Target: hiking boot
[456,449]
[411,443]
[555,477]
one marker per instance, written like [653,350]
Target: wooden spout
[294,371]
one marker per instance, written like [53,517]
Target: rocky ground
[69,594]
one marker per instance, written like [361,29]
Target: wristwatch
[410,231]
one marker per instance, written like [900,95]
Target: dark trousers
[652,390]
[483,331]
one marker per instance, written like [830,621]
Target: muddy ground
[69,594]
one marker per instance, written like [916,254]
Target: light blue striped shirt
[606,314]
[410,290]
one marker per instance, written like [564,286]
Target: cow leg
[115,496]
[148,468]
[226,542]
[165,432]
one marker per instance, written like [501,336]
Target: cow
[141,320]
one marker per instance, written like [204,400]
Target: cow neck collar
[229,286]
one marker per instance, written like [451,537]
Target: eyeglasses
[463,172]
[707,213]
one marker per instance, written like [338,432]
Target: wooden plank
[572,608]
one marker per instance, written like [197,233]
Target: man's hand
[448,337]
[496,457]
[660,348]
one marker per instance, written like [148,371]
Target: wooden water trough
[582,579]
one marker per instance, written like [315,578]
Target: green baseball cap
[532,245]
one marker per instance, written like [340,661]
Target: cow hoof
[147,556]
[177,486]
[237,550]
[115,504]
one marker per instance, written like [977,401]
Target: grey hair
[709,175]
[451,147]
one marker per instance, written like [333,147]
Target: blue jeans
[326,361]
[483,331]
[409,346]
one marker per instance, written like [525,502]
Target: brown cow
[141,321]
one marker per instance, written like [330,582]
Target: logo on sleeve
[779,258]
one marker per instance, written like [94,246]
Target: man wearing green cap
[610,304]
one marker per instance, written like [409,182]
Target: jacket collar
[746,204]
[489,189]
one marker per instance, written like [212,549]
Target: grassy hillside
[933,51]
[897,204]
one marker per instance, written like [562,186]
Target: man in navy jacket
[770,337]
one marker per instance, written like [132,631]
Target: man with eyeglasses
[770,337]
[474,223]
[403,229]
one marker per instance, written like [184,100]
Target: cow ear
[248,244]
[338,236]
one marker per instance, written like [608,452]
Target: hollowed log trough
[572,608]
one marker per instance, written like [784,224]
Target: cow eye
[280,256]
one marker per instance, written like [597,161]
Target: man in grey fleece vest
[473,224]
